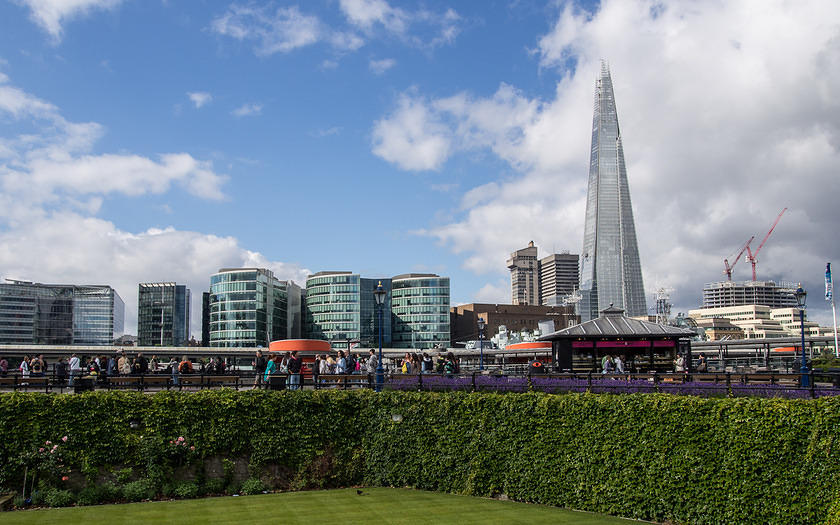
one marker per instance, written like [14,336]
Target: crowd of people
[118,364]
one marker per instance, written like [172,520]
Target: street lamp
[379,295]
[800,302]
[481,343]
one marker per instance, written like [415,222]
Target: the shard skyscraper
[610,271]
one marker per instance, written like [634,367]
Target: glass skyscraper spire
[610,271]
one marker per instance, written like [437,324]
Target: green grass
[375,505]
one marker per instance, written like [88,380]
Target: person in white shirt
[75,367]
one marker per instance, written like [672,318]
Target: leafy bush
[58,498]
[214,486]
[652,456]
[252,486]
[186,490]
[138,490]
[19,501]
[88,496]
[124,475]
[108,491]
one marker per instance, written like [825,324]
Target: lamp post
[379,295]
[481,343]
[800,302]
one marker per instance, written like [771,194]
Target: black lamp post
[379,294]
[480,343]
[800,302]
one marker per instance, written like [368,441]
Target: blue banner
[829,287]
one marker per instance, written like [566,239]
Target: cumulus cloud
[52,187]
[52,14]
[726,113]
[247,110]
[381,66]
[413,137]
[199,98]
[68,247]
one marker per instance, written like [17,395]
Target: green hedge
[660,457]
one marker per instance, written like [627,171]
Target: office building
[57,314]
[250,307]
[341,309]
[515,318]
[739,293]
[163,314]
[524,276]
[559,277]
[420,311]
[759,321]
[611,272]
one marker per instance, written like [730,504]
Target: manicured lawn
[376,505]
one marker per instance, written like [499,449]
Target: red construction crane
[728,270]
[750,255]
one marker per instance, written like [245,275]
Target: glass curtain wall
[420,311]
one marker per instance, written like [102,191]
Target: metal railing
[709,384]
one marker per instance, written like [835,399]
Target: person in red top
[185,366]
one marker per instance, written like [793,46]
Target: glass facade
[249,307]
[163,314]
[420,311]
[32,313]
[611,271]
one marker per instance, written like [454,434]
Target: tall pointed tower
[610,271]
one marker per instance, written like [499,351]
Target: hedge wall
[680,458]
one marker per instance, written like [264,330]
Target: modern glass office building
[610,269]
[420,311]
[249,307]
[34,313]
[163,314]
[341,308]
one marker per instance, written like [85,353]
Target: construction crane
[750,255]
[728,270]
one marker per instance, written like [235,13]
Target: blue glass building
[56,314]
[610,269]
[249,307]
[420,311]
[163,314]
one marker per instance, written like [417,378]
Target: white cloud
[285,29]
[52,14]
[67,247]
[200,98]
[247,110]
[727,115]
[413,137]
[421,28]
[366,13]
[275,31]
[51,188]
[381,66]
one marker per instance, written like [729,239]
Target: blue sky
[161,140]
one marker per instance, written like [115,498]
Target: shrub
[214,486]
[19,502]
[90,495]
[138,490]
[58,498]
[108,491]
[252,486]
[186,490]
[651,456]
[124,475]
